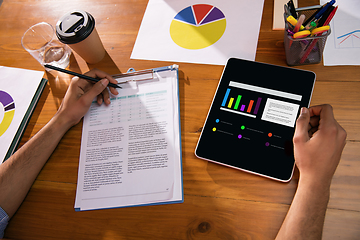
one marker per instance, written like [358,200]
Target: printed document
[130,150]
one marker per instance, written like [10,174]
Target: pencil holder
[308,50]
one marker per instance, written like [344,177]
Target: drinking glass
[41,42]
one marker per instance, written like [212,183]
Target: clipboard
[136,141]
[251,121]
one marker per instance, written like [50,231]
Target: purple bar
[257,106]
[242,108]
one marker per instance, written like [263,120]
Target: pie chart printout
[8,112]
[198,26]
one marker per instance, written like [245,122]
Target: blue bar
[226,97]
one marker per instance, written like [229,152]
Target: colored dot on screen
[217,120]
[214,129]
[267,144]
[242,127]
[270,134]
[239,136]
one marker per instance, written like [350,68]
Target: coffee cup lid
[74,27]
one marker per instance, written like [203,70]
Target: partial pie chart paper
[9,111]
[198,26]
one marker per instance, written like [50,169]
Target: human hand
[80,95]
[318,143]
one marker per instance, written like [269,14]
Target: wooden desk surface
[220,203]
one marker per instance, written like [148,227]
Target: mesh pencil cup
[306,50]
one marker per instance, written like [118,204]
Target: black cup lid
[74,27]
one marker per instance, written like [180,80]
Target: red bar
[250,106]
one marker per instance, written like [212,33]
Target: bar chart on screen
[254,104]
[240,104]
[251,101]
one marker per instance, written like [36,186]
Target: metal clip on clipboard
[148,74]
[132,75]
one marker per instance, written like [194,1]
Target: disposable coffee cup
[77,30]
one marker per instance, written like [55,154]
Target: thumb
[301,130]
[96,89]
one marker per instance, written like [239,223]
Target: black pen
[292,9]
[79,75]
[326,14]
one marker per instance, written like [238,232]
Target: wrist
[316,185]
[60,123]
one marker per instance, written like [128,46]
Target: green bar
[237,102]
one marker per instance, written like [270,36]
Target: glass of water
[41,42]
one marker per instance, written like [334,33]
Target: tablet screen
[251,122]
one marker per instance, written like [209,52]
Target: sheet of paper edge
[278,15]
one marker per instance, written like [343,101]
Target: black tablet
[251,121]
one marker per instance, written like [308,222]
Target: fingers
[323,116]
[316,110]
[114,90]
[96,90]
[96,73]
[302,126]
[314,121]
[313,125]
[103,95]
[324,112]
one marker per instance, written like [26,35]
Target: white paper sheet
[130,150]
[19,85]
[343,44]
[157,36]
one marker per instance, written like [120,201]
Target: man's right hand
[318,143]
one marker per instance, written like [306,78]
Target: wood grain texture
[220,203]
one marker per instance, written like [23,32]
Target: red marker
[330,16]
[315,40]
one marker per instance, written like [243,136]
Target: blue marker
[321,12]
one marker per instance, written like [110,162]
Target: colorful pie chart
[9,111]
[198,26]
